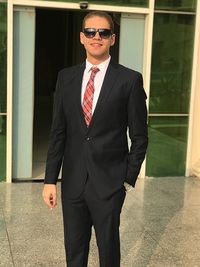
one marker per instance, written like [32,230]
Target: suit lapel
[78,77]
[107,86]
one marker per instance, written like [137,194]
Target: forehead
[97,22]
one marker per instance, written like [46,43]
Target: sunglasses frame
[92,32]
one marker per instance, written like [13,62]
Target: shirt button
[88,139]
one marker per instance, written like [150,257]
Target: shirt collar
[102,66]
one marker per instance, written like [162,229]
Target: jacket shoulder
[129,72]
[128,75]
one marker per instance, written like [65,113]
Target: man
[95,104]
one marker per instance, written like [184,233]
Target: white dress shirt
[98,80]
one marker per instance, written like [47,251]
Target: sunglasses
[91,32]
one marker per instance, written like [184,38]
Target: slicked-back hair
[100,14]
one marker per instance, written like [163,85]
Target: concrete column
[195,142]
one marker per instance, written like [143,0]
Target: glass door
[131,47]
[23,88]
[171,73]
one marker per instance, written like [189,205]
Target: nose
[97,36]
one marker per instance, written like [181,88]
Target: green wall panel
[179,5]
[166,155]
[171,70]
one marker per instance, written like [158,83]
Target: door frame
[149,14]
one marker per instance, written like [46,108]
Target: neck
[97,61]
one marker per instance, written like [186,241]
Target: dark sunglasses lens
[89,33]
[104,33]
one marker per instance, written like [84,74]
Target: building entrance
[57,46]
[47,40]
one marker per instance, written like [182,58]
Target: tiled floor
[160,226]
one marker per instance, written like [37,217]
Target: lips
[96,44]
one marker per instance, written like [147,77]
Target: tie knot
[94,70]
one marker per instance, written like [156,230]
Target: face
[97,48]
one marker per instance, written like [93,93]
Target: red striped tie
[88,96]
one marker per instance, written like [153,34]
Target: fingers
[49,195]
[52,201]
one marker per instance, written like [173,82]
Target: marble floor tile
[37,251]
[29,225]
[5,254]
[3,232]
[183,244]
[139,252]
[160,226]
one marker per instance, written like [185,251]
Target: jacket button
[88,138]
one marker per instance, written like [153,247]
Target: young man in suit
[96,102]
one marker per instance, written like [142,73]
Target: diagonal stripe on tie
[88,97]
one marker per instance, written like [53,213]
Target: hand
[127,186]
[49,195]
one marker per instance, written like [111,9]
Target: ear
[112,39]
[81,38]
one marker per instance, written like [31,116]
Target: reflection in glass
[171,71]
[3,56]
[180,5]
[166,155]
[2,147]
[134,3]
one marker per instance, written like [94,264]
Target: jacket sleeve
[137,128]
[56,138]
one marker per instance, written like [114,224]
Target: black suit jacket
[101,150]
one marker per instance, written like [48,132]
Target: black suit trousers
[80,214]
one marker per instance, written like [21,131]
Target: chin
[99,55]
